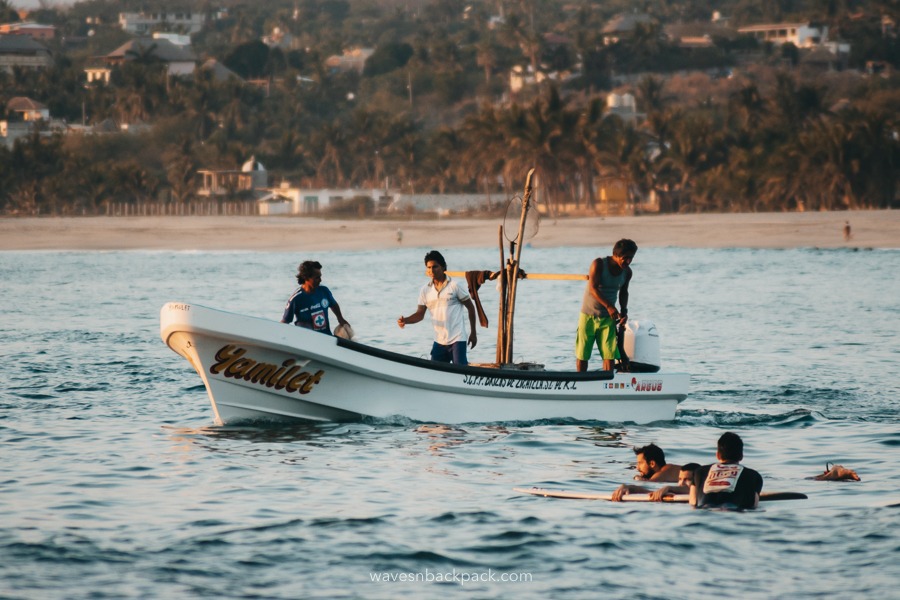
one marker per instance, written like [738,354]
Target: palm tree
[181,169]
[8,13]
[822,173]
[748,107]
[442,164]
[332,146]
[794,105]
[486,56]
[540,135]
[697,147]
[403,158]
[878,148]
[243,30]
[616,150]
[523,35]
[651,94]
[130,105]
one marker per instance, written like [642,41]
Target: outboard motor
[641,345]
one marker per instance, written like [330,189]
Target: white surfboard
[536,491]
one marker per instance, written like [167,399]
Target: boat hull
[258,369]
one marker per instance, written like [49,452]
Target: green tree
[388,57]
[8,13]
[249,60]
[181,169]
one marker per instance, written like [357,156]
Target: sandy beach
[870,229]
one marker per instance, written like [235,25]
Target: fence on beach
[179,209]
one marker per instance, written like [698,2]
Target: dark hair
[307,269]
[436,257]
[652,452]
[690,467]
[624,246]
[731,447]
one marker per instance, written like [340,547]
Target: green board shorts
[601,330]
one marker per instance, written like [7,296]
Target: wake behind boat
[259,369]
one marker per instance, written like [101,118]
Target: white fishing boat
[261,369]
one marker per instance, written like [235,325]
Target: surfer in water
[685,477]
[651,465]
[727,484]
[607,282]
[308,305]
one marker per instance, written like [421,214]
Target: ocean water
[115,483]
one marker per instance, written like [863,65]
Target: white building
[98,73]
[11,131]
[178,39]
[146,22]
[802,35]
[350,60]
[522,77]
[252,177]
[624,106]
[309,201]
[444,204]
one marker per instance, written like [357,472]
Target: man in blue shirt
[309,304]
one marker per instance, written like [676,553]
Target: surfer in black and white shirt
[727,484]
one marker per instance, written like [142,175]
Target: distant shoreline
[870,229]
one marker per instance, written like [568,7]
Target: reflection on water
[601,436]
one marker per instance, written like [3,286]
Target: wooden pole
[501,319]
[514,267]
[508,275]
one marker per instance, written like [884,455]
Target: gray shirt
[608,289]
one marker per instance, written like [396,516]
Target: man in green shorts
[607,282]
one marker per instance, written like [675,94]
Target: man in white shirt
[445,299]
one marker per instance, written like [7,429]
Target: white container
[642,346]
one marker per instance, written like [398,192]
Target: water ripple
[115,483]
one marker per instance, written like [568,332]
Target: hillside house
[26,109]
[350,60]
[624,107]
[802,35]
[35,31]
[178,61]
[23,51]
[252,177]
[623,26]
[812,39]
[144,23]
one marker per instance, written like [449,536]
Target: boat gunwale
[425,363]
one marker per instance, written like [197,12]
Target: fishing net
[514,215]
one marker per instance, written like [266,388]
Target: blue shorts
[455,353]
